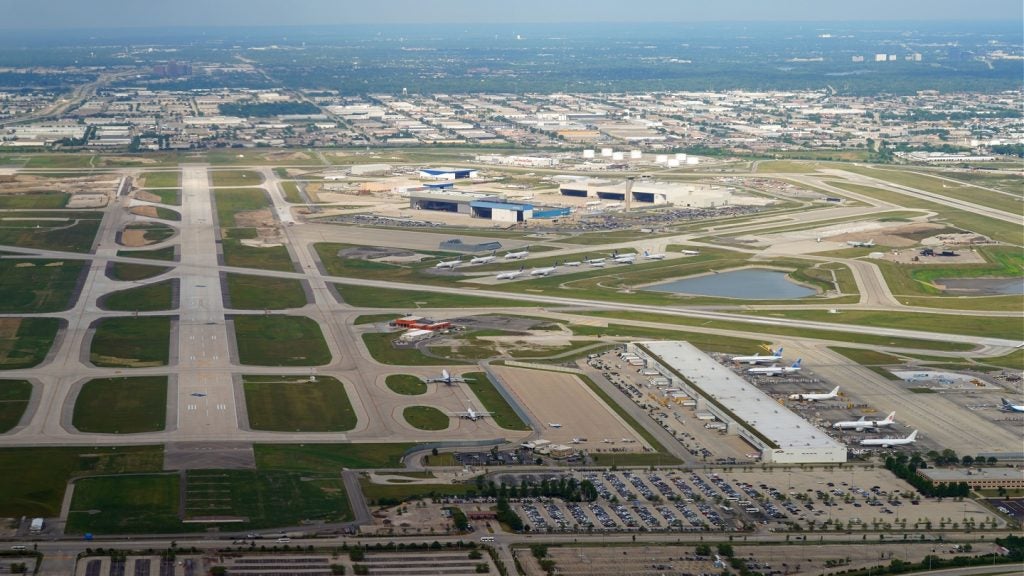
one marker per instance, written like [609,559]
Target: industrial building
[447,173]
[649,192]
[977,478]
[421,323]
[781,436]
[488,206]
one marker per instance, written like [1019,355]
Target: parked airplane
[484,259]
[1007,407]
[861,243]
[576,441]
[554,424]
[864,424]
[594,261]
[649,256]
[470,414]
[517,255]
[690,252]
[510,275]
[623,258]
[574,263]
[887,442]
[775,356]
[597,263]
[449,264]
[543,271]
[775,369]
[818,396]
[447,378]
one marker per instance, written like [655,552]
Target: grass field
[125,272]
[960,191]
[291,192]
[372,319]
[144,503]
[169,196]
[131,342]
[492,400]
[380,347]
[75,233]
[167,214]
[222,178]
[706,342]
[266,498]
[328,458]
[38,285]
[294,404]
[25,342]
[280,341]
[392,493]
[153,232]
[369,297]
[916,280]
[359,268]
[60,161]
[151,297]
[34,201]
[125,405]
[14,397]
[166,254]
[1014,360]
[160,179]
[1009,328]
[867,357]
[406,384]
[261,258]
[426,418]
[247,292]
[769,331]
[32,480]
[231,201]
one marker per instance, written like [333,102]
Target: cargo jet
[813,397]
[470,414]
[864,424]
[775,356]
[887,442]
[447,378]
[775,369]
[1007,407]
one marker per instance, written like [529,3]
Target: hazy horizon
[113,14]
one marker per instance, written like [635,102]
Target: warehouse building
[649,192]
[487,206]
[447,173]
[781,436]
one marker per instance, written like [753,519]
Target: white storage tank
[661,159]
[606,152]
[588,154]
[635,154]
[617,156]
[692,160]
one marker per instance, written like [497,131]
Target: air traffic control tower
[782,436]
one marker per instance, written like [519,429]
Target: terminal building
[781,436]
[447,173]
[649,192]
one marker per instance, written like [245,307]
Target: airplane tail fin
[797,363]
[1005,401]
[890,418]
[645,252]
[835,391]
[913,436]
[779,352]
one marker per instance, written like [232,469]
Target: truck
[36,527]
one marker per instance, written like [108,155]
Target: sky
[59,14]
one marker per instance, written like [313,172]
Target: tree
[726,550]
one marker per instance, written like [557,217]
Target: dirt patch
[254,219]
[378,254]
[147,196]
[129,160]
[149,211]
[286,156]
[24,265]
[9,327]
[134,238]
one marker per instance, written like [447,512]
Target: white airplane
[517,255]
[543,271]
[510,275]
[1007,407]
[864,424]
[449,264]
[775,356]
[649,256]
[861,243]
[887,442]
[775,369]
[484,259]
[818,396]
[470,414]
[597,263]
[607,441]
[623,258]
[574,263]
[594,261]
[447,378]
[576,441]
[690,252]
[554,424]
